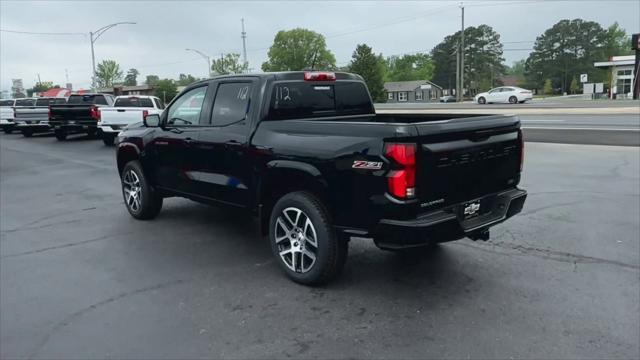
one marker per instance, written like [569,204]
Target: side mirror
[151,120]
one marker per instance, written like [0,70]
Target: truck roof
[285,75]
[135,96]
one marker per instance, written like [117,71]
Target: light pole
[93,36]
[206,57]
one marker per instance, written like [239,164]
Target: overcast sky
[156,44]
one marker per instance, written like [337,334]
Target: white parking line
[579,128]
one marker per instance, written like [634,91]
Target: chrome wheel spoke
[296,240]
[132,190]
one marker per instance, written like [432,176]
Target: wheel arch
[126,152]
[285,176]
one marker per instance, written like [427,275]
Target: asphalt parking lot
[79,278]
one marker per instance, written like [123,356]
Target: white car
[504,94]
[126,110]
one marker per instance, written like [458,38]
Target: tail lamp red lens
[145,113]
[319,76]
[402,182]
[94,112]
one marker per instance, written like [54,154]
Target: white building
[622,76]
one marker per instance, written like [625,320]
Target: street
[81,279]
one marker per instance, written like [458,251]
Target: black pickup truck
[306,153]
[80,114]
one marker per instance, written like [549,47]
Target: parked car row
[93,114]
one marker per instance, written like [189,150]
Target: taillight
[94,112]
[145,113]
[14,113]
[319,76]
[402,182]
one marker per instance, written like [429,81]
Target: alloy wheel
[132,190]
[296,239]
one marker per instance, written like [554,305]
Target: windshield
[301,99]
[133,102]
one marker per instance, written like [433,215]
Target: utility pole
[244,47]
[39,81]
[462,56]
[458,72]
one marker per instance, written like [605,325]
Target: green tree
[41,87]
[165,89]
[409,67]
[574,86]
[567,49]
[616,42]
[299,49]
[184,80]
[371,67]
[152,80]
[107,73]
[547,88]
[482,58]
[229,64]
[131,79]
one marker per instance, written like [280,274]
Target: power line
[40,33]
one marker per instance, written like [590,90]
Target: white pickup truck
[126,110]
[6,115]
[35,119]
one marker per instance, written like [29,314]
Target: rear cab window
[133,102]
[5,103]
[25,102]
[307,99]
[87,99]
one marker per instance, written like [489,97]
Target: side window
[186,109]
[231,104]
[100,100]
[159,103]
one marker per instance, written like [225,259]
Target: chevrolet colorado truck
[126,110]
[306,153]
[80,114]
[35,119]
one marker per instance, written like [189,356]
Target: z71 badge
[367,165]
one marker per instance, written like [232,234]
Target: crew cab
[126,110]
[6,115]
[306,153]
[80,114]
[35,119]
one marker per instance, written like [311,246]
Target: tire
[61,135]
[482,100]
[145,203]
[513,100]
[92,133]
[8,130]
[108,140]
[27,133]
[298,220]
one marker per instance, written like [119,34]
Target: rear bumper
[6,123]
[74,126]
[111,128]
[448,224]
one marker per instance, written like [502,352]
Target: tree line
[559,55]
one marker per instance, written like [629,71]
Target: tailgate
[70,112]
[122,116]
[464,159]
[32,113]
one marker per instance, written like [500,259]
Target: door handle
[233,143]
[189,141]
